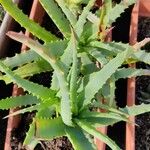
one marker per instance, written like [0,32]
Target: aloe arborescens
[78,85]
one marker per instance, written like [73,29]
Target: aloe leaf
[100,122]
[93,18]
[142,56]
[103,23]
[47,129]
[111,115]
[13,102]
[136,109]
[91,130]
[78,139]
[24,71]
[67,56]
[118,9]
[46,111]
[20,59]
[82,18]
[110,109]
[30,141]
[98,79]
[54,82]
[88,66]
[90,31]
[101,58]
[131,72]
[39,91]
[110,50]
[70,16]
[37,67]
[57,16]
[25,22]
[74,73]
[24,110]
[56,47]
[58,68]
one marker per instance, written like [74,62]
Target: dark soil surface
[58,144]
[19,134]
[143,130]
[142,84]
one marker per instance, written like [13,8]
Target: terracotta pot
[130,128]
[144,9]
[36,14]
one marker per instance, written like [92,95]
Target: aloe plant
[85,68]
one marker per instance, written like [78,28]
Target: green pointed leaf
[59,69]
[74,73]
[24,71]
[101,122]
[47,129]
[24,110]
[91,130]
[98,79]
[36,90]
[25,22]
[13,102]
[136,109]
[142,56]
[57,16]
[78,139]
[70,16]
[82,18]
[106,48]
[67,56]
[131,72]
[30,141]
[111,115]
[118,9]
[101,58]
[20,59]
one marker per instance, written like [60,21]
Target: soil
[18,135]
[58,144]
[143,130]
